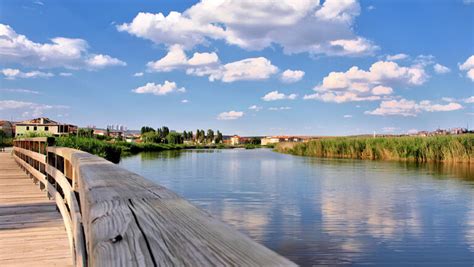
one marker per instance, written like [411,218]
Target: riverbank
[115,150]
[449,148]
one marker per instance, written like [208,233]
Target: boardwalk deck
[32,232]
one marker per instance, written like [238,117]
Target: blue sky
[245,67]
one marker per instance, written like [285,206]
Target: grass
[449,148]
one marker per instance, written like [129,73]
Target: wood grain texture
[32,232]
[130,221]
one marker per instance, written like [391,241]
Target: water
[328,211]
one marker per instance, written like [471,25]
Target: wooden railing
[46,167]
[114,217]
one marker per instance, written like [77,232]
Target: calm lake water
[328,211]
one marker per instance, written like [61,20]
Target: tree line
[164,135]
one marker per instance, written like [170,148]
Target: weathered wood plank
[130,221]
[32,232]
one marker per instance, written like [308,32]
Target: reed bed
[448,148]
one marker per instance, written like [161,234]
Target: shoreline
[443,149]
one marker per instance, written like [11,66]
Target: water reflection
[326,211]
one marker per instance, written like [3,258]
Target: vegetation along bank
[449,148]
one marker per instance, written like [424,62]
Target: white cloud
[19,90]
[65,74]
[258,68]
[159,89]
[468,67]
[382,90]
[406,108]
[255,107]
[291,76]
[175,58]
[340,97]
[347,116]
[60,52]
[230,115]
[207,64]
[360,85]
[28,108]
[184,101]
[440,69]
[400,56]
[200,59]
[275,95]
[279,108]
[469,100]
[297,26]
[12,74]
[138,74]
[101,61]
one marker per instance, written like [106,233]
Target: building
[277,139]
[43,125]
[235,140]
[7,128]
[458,131]
[270,140]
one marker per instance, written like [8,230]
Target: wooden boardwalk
[32,232]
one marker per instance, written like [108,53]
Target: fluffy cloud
[138,74]
[12,74]
[207,64]
[468,67]
[275,95]
[296,26]
[101,61]
[291,76]
[65,74]
[28,108]
[230,115]
[347,116]
[60,52]
[400,56]
[360,85]
[159,89]
[255,107]
[382,90]
[258,68]
[405,107]
[440,69]
[184,101]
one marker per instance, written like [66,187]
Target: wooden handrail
[117,218]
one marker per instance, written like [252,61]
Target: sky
[296,67]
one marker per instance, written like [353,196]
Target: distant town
[48,126]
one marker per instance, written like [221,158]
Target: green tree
[219,137]
[151,137]
[255,141]
[159,132]
[202,136]
[85,132]
[210,135]
[165,131]
[146,129]
[174,138]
